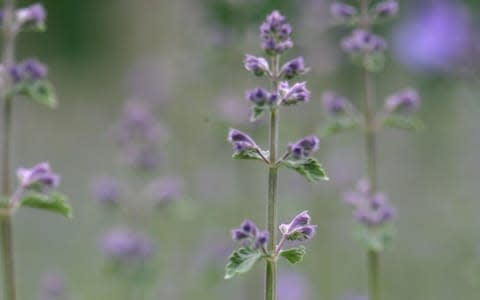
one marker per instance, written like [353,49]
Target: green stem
[373,275]
[6,232]
[270,270]
[373,257]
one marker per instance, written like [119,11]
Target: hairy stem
[373,257]
[6,233]
[270,271]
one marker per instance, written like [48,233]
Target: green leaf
[377,238]
[55,202]
[250,154]
[294,255]
[257,112]
[403,122]
[309,168]
[40,91]
[374,62]
[337,125]
[241,261]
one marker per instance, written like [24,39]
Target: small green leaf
[241,261]
[374,62]
[337,125]
[250,154]
[376,238]
[257,112]
[309,168]
[54,202]
[40,91]
[294,255]
[403,122]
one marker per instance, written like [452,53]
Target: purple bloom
[257,65]
[240,141]
[404,101]
[293,68]
[299,229]
[258,96]
[249,235]
[335,104]
[106,190]
[304,147]
[123,245]
[363,42]
[261,239]
[295,94]
[370,210]
[40,177]
[342,11]
[434,36]
[53,287]
[165,190]
[34,14]
[275,34]
[29,69]
[387,8]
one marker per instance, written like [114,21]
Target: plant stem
[373,257]
[270,270]
[6,233]
[373,260]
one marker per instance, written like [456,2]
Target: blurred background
[184,59]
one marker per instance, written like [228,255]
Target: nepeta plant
[371,208]
[36,185]
[128,251]
[256,245]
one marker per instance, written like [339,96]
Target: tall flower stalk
[371,208]
[36,186]
[275,34]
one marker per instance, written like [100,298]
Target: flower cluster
[250,236]
[336,105]
[370,209]
[275,34]
[28,70]
[39,178]
[125,246]
[34,15]
[299,229]
[405,101]
[138,133]
[304,147]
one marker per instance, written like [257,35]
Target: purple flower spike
[363,42]
[304,147]
[257,65]
[40,177]
[106,190]
[240,141]
[239,234]
[34,14]
[258,96]
[405,101]
[299,229]
[385,9]
[293,68]
[275,34]
[335,104]
[342,11]
[295,94]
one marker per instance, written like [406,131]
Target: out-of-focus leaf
[54,202]
[374,62]
[376,238]
[40,91]
[337,125]
[250,154]
[409,123]
[309,168]
[294,255]
[257,112]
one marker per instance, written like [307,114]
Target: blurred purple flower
[434,36]
[294,94]
[240,141]
[363,42]
[53,287]
[257,65]
[304,147]
[336,105]
[292,286]
[165,190]
[299,229]
[34,14]
[29,69]
[369,209]
[404,101]
[123,245]
[106,190]
[293,68]
[342,12]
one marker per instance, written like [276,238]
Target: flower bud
[240,141]
[404,101]
[40,177]
[295,94]
[304,147]
[342,12]
[294,68]
[34,14]
[257,65]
